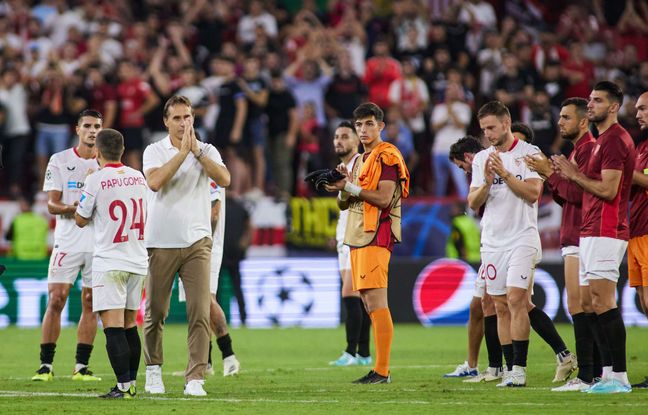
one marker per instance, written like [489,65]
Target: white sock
[607,373]
[79,366]
[621,377]
[123,386]
[47,365]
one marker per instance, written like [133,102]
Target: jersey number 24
[119,212]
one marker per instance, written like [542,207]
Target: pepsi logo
[443,291]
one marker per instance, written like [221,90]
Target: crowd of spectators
[271,79]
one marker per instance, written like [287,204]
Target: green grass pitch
[285,371]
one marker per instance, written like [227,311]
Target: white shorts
[480,283]
[571,250]
[600,258]
[344,257]
[114,290]
[214,274]
[64,267]
[512,268]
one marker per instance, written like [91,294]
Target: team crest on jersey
[48,174]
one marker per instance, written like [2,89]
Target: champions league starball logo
[285,296]
[443,291]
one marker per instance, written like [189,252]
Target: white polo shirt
[178,215]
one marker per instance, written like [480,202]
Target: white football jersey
[344,214]
[508,220]
[218,193]
[115,199]
[66,172]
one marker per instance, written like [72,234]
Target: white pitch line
[22,394]
[296,369]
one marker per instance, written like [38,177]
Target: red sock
[383,328]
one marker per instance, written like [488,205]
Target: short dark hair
[89,113]
[368,109]
[525,130]
[346,124]
[579,103]
[495,108]
[467,144]
[175,100]
[110,143]
[614,92]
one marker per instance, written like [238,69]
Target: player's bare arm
[345,198]
[529,189]
[80,220]
[540,164]
[381,197]
[606,188]
[157,177]
[640,179]
[56,207]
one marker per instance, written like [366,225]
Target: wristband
[354,189]
[200,154]
[343,196]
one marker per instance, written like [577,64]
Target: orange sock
[383,329]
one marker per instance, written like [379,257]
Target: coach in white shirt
[179,239]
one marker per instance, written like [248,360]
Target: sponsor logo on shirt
[499,180]
[71,168]
[71,184]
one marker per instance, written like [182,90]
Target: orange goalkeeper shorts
[369,266]
[638,261]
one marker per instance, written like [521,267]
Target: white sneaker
[517,378]
[505,379]
[489,375]
[462,371]
[154,382]
[565,368]
[574,385]
[195,388]
[231,366]
[344,360]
